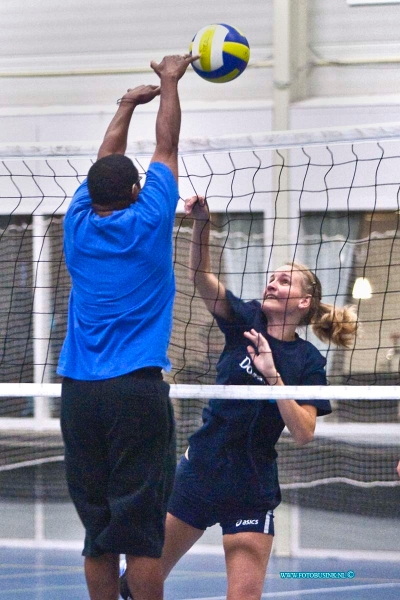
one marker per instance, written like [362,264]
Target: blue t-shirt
[232,457]
[123,286]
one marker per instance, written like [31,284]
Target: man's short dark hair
[110,180]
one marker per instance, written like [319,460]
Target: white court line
[313,591]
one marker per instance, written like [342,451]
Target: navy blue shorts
[202,514]
[120,460]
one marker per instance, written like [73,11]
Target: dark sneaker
[123,582]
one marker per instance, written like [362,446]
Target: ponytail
[336,324]
[330,323]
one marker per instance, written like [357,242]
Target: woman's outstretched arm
[211,290]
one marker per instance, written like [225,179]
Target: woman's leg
[246,557]
[145,577]
[179,538]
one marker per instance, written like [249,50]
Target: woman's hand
[300,420]
[197,207]
[261,356]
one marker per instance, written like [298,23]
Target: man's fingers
[154,88]
[154,65]
[144,88]
[189,58]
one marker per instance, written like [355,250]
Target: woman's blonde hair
[330,323]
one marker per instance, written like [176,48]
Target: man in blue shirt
[116,415]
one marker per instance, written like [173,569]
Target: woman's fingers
[258,340]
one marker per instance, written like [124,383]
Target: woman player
[229,475]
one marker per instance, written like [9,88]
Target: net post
[41,311]
[282,95]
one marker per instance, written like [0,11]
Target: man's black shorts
[120,460]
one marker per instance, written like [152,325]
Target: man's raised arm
[168,124]
[116,136]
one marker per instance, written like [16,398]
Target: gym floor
[58,575]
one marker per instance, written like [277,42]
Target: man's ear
[135,192]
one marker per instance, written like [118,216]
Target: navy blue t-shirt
[232,457]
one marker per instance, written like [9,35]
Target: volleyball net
[327,199]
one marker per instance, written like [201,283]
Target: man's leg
[179,538]
[101,574]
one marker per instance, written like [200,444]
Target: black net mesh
[342,222]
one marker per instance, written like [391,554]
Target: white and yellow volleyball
[224,52]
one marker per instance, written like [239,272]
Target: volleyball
[224,52]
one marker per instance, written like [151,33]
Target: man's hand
[142,94]
[168,123]
[173,66]
[197,207]
[116,137]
